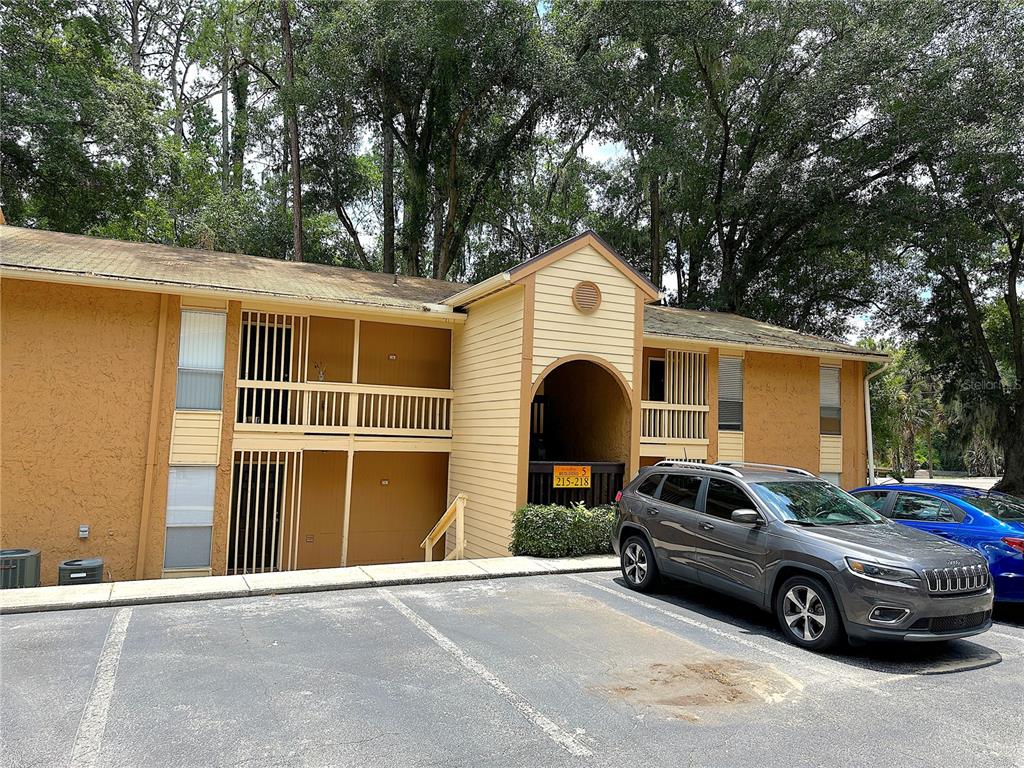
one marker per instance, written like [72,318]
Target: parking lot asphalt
[545,671]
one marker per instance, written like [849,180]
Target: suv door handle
[652,511]
[937,531]
[707,526]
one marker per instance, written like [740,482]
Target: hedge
[550,530]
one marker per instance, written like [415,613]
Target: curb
[155,591]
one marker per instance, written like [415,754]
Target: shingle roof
[733,329]
[34,250]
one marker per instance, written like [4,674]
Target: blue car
[988,521]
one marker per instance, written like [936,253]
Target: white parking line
[562,738]
[89,738]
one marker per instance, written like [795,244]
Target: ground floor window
[831,477]
[190,493]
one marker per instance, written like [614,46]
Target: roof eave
[223,293]
[479,291]
[867,357]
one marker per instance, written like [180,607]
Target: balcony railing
[672,423]
[330,408]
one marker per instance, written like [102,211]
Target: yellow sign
[568,476]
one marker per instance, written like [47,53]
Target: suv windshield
[1005,508]
[815,503]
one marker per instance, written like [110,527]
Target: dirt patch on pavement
[699,689]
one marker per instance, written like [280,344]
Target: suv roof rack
[781,467]
[700,465]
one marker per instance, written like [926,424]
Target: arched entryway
[579,428]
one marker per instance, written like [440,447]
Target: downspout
[867,420]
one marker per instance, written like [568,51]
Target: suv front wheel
[638,567]
[808,614]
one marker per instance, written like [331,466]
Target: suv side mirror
[745,517]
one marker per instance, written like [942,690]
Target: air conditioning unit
[19,568]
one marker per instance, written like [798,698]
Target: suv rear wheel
[638,566]
[808,614]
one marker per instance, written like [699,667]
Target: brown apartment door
[323,505]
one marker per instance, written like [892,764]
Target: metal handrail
[759,465]
[698,465]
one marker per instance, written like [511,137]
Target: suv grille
[955,623]
[965,578]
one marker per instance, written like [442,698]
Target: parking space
[557,670]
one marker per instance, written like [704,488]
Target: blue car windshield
[815,503]
[1002,507]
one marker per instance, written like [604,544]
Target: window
[656,379]
[925,509]
[874,499]
[724,498]
[189,517]
[649,487]
[201,360]
[830,477]
[730,393]
[831,411]
[681,490]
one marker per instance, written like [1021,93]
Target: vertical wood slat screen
[272,347]
[685,377]
[266,503]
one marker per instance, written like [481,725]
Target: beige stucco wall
[487,361]
[780,409]
[77,371]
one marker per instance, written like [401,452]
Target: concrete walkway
[322,580]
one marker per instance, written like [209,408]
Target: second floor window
[201,360]
[730,393]
[831,410]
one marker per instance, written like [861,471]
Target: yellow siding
[730,446]
[831,453]
[560,329]
[195,437]
[487,377]
[674,451]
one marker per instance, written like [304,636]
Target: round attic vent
[586,296]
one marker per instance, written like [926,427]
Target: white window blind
[730,393]
[831,410]
[190,494]
[201,360]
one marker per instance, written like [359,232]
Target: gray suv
[828,566]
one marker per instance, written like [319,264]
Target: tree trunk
[225,140]
[1012,439]
[388,188]
[291,114]
[656,256]
[134,10]
[240,97]
[414,212]
[438,216]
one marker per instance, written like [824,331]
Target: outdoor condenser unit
[19,568]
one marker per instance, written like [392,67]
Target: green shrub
[549,530]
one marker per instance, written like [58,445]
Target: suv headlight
[881,572]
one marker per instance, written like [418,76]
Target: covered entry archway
[580,417]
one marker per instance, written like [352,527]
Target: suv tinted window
[910,506]
[681,490]
[874,499]
[649,486]
[724,498]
